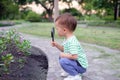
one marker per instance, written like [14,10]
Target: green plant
[33,17]
[2,46]
[108,18]
[8,9]
[12,49]
[93,20]
[24,47]
[73,11]
[7,59]
[91,17]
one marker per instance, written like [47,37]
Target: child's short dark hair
[67,20]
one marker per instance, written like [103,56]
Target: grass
[18,21]
[105,36]
[104,23]
[38,29]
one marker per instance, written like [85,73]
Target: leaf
[1,64]
[1,41]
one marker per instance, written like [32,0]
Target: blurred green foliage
[9,10]
[12,49]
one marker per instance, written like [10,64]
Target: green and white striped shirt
[72,46]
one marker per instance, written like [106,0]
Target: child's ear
[64,29]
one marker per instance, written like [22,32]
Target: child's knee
[63,61]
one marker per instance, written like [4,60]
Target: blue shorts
[71,66]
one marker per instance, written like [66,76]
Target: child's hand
[53,43]
[62,55]
[69,56]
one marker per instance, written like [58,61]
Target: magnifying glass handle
[52,33]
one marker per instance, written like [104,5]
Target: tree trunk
[118,10]
[115,9]
[56,9]
[49,12]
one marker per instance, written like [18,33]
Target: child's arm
[54,44]
[69,56]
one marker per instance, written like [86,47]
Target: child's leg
[71,66]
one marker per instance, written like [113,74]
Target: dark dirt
[35,68]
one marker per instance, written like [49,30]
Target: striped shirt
[72,46]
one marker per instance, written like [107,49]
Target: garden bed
[35,67]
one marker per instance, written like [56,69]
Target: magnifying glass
[52,33]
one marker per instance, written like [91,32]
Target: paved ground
[103,62]
[100,67]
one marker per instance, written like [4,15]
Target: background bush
[74,12]
[108,18]
[8,10]
[33,17]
